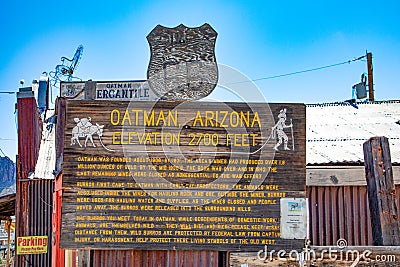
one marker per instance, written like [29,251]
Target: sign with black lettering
[102,90]
[180,175]
[134,90]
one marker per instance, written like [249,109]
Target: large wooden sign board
[180,175]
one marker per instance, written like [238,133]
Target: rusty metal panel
[34,198]
[29,135]
[58,255]
[340,212]
[38,218]
[153,258]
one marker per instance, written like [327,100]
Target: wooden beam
[381,192]
[342,175]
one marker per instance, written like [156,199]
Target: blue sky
[258,38]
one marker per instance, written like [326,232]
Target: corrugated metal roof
[336,132]
[47,153]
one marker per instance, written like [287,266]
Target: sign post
[381,192]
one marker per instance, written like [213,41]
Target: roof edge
[344,103]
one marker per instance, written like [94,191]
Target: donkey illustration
[85,128]
[294,206]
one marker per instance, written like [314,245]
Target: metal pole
[370,77]
[8,242]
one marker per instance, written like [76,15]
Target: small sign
[294,217]
[130,90]
[108,90]
[32,244]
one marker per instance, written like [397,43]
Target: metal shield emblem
[182,63]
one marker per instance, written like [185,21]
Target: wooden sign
[108,90]
[180,175]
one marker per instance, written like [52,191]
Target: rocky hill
[7,176]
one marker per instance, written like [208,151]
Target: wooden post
[371,93]
[381,192]
[83,258]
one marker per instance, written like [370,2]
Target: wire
[8,92]
[303,71]
[2,152]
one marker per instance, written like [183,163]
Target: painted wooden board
[180,175]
